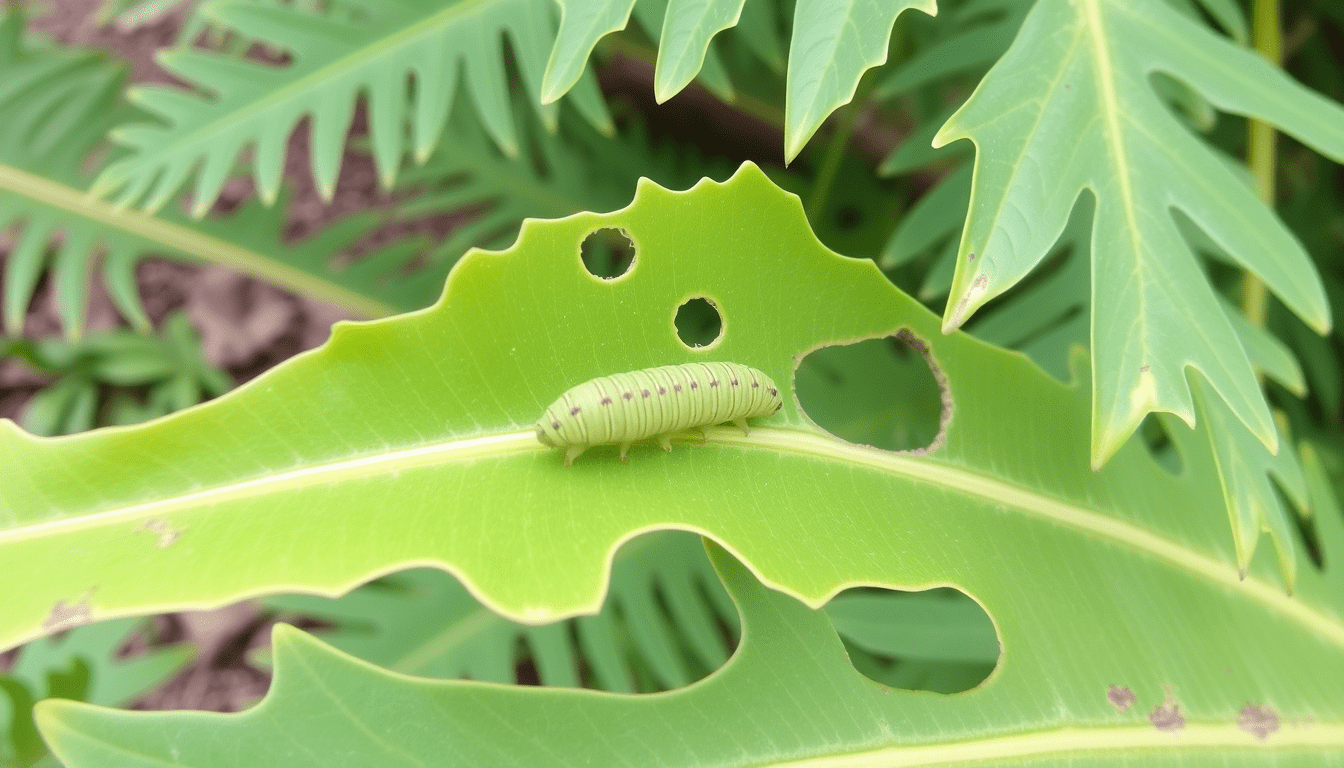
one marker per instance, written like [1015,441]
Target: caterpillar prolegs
[656,402]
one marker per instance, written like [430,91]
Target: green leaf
[424,622]
[788,697]
[834,42]
[375,48]
[58,104]
[983,31]
[1070,108]
[410,441]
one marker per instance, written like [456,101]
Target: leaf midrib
[1193,738]
[182,239]
[955,479]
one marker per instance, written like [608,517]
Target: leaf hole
[885,393]
[698,322]
[937,640]
[608,253]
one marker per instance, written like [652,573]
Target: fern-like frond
[404,56]
[58,105]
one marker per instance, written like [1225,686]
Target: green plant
[1008,544]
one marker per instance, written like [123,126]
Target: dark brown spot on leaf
[1121,697]
[574,411]
[1143,369]
[1167,716]
[1257,721]
[970,257]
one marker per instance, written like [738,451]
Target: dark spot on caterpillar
[777,407]
[676,387]
[606,401]
[662,391]
[646,393]
[734,382]
[755,384]
[694,385]
[555,425]
[574,411]
[714,383]
[628,395]
[774,392]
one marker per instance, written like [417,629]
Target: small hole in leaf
[877,392]
[1158,442]
[698,322]
[608,253]
[938,640]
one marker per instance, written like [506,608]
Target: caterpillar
[656,402]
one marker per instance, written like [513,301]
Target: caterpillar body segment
[656,403]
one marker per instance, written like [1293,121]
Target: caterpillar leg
[572,453]
[704,434]
[625,447]
[665,442]
[746,430]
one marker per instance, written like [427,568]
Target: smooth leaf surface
[1071,107]
[409,442]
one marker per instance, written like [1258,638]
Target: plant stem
[835,153]
[1267,38]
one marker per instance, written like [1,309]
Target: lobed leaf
[1070,107]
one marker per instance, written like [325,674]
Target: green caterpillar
[656,402]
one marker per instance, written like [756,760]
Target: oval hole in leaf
[1158,442]
[938,640]
[608,253]
[877,392]
[698,322]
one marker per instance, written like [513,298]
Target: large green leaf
[359,47]
[1072,107]
[408,441]
[788,697]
